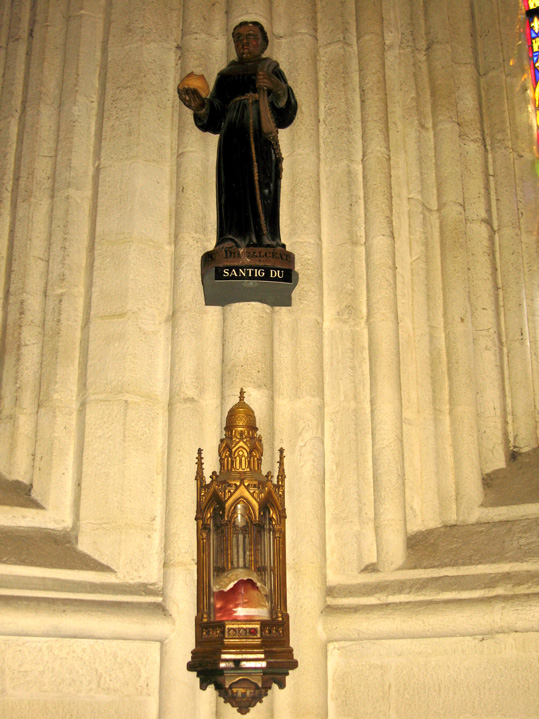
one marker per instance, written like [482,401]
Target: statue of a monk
[249,101]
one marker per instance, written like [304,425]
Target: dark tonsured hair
[265,38]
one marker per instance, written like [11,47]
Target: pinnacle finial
[200,462]
[280,473]
[242,395]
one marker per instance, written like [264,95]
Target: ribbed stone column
[349,496]
[513,282]
[299,378]
[15,43]
[430,492]
[5,22]
[30,241]
[384,364]
[418,297]
[524,155]
[68,290]
[196,368]
[126,384]
[488,362]
[457,313]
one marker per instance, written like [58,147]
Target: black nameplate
[254,274]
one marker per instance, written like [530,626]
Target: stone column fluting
[55,481]
[454,266]
[519,383]
[382,319]
[22,343]
[480,243]
[125,386]
[520,104]
[348,447]
[15,50]
[299,368]
[418,293]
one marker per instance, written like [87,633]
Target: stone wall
[406,370]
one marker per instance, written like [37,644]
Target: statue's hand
[273,85]
[192,99]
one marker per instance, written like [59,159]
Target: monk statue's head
[250,40]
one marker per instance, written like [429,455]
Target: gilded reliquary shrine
[242,625]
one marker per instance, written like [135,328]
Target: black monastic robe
[248,178]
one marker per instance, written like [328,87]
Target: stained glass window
[531,8]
